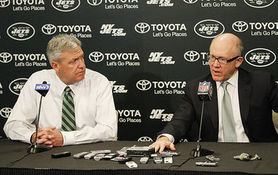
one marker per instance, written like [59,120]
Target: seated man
[241,106]
[78,108]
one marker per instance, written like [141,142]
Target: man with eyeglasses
[248,98]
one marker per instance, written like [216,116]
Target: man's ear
[239,61]
[55,65]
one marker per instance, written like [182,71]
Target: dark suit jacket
[258,95]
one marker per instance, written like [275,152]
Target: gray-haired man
[89,101]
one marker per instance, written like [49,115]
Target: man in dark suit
[252,96]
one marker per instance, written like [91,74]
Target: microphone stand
[199,151]
[35,148]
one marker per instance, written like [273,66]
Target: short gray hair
[60,43]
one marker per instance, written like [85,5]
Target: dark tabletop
[11,151]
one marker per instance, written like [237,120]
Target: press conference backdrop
[148,49]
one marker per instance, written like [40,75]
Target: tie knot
[67,89]
[224,85]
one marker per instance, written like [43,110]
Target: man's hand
[163,142]
[48,137]
[57,140]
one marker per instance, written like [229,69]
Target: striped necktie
[227,116]
[68,117]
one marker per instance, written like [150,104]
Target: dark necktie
[227,116]
[68,117]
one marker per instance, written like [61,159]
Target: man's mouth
[216,73]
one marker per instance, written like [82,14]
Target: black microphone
[43,90]
[204,91]
[205,94]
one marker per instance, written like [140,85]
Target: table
[42,163]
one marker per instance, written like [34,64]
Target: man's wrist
[32,138]
[169,136]
[61,138]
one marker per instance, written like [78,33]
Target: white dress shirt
[95,114]
[233,92]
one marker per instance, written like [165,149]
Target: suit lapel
[212,106]
[244,91]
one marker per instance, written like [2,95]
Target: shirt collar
[61,86]
[74,87]
[232,81]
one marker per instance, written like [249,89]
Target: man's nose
[81,63]
[216,63]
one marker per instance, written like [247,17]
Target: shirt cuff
[68,138]
[28,136]
[169,136]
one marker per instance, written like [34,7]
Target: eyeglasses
[220,60]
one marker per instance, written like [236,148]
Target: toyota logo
[191,56]
[5,112]
[143,85]
[94,2]
[142,27]
[96,56]
[49,29]
[4,3]
[5,57]
[190,1]
[240,26]
[145,139]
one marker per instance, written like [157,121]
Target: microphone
[43,90]
[204,91]
[205,94]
